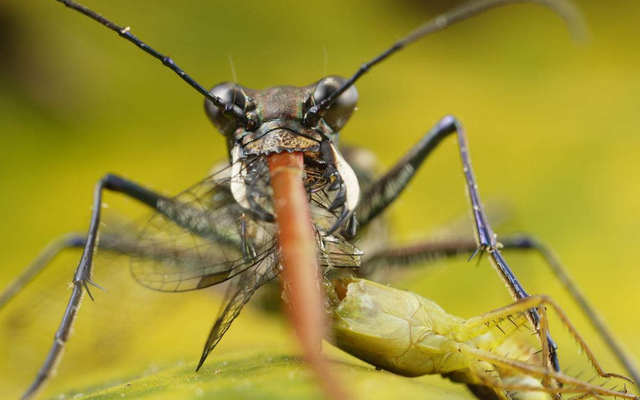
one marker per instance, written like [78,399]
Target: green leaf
[260,375]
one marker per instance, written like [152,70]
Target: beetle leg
[473,326]
[388,188]
[238,188]
[71,240]
[84,272]
[583,390]
[107,242]
[527,242]
[408,256]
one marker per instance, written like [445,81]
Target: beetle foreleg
[84,272]
[388,188]
[409,256]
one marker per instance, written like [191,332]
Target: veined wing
[238,294]
[204,236]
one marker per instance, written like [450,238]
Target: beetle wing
[238,294]
[200,238]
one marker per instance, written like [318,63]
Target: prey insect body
[407,334]
[290,201]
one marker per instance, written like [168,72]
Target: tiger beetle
[292,201]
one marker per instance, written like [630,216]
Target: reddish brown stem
[300,262]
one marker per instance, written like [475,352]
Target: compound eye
[231,93]
[341,109]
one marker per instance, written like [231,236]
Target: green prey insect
[222,229]
[407,334]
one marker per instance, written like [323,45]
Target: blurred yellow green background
[554,131]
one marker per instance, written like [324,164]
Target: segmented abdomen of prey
[486,393]
[396,330]
[520,347]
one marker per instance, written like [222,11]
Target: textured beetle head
[279,112]
[278,125]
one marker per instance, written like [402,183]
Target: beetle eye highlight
[337,115]
[231,93]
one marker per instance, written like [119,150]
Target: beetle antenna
[229,110]
[565,9]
